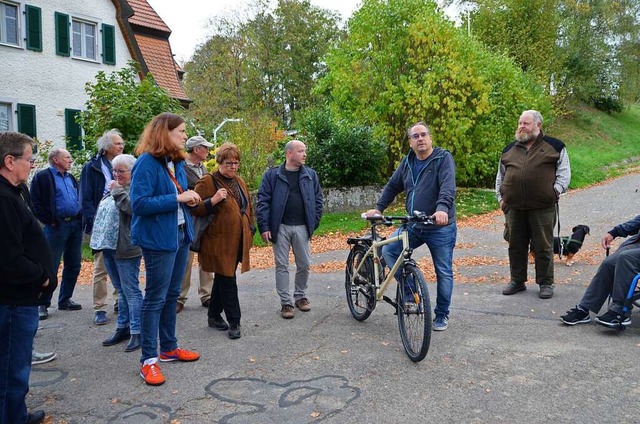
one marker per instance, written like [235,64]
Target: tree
[119,100]
[403,62]
[265,64]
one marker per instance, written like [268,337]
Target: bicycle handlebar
[417,216]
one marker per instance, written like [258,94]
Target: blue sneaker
[101,318]
[440,323]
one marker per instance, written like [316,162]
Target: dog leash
[561,247]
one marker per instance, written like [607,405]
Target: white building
[49,50]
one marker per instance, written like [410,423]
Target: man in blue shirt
[56,202]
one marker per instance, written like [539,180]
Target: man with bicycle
[427,175]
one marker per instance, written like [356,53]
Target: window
[9,24]
[5,117]
[84,39]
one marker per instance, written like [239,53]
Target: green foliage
[403,62]
[266,64]
[119,100]
[342,153]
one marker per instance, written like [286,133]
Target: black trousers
[224,297]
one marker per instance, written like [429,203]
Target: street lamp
[215,132]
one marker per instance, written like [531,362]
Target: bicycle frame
[404,257]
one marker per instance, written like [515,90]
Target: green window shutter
[108,44]
[72,130]
[27,119]
[34,28]
[63,44]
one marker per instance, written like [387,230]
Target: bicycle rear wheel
[361,292]
[414,313]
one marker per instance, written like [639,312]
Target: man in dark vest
[533,171]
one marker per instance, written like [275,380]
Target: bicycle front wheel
[414,313]
[360,288]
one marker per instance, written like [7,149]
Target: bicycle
[366,281]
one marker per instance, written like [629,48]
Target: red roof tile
[145,16]
[158,58]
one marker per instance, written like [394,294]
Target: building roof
[145,16]
[147,37]
[159,60]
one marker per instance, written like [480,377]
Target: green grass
[600,145]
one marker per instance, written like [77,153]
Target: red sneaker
[152,375]
[179,354]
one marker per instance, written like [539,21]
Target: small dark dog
[570,245]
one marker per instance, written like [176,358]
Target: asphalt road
[504,359]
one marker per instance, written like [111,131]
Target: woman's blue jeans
[440,241]
[164,280]
[124,274]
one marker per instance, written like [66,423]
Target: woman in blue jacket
[162,227]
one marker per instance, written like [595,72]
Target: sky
[188,20]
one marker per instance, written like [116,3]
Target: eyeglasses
[119,172]
[230,163]
[416,136]
[31,161]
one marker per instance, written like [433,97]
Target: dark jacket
[274,192]
[92,182]
[43,194]
[629,228]
[433,189]
[220,244]
[124,249]
[26,261]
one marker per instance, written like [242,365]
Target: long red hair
[155,137]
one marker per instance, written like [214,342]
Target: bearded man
[533,171]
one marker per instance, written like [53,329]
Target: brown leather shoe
[179,307]
[303,304]
[286,311]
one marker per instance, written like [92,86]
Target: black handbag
[200,224]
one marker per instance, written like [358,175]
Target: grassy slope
[600,145]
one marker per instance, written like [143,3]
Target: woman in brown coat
[227,240]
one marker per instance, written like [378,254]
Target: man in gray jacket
[427,176]
[289,211]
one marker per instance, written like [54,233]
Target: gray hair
[106,140]
[54,154]
[537,116]
[13,143]
[424,124]
[126,160]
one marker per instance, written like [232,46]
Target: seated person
[613,278]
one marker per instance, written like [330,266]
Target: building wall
[50,82]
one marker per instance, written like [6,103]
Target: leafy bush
[343,154]
[120,100]
[608,104]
